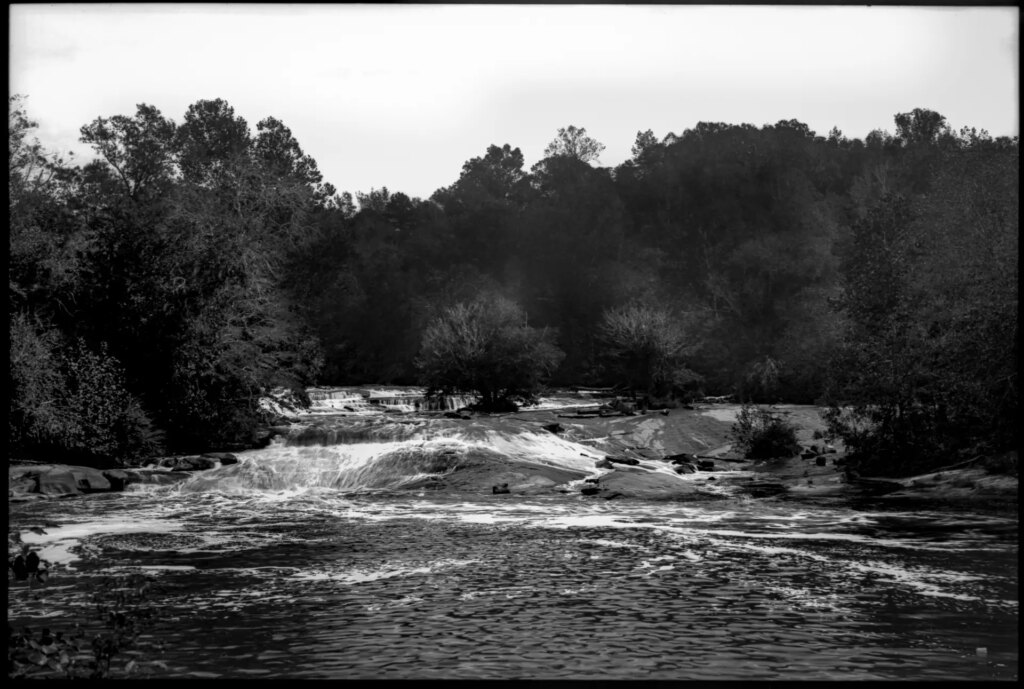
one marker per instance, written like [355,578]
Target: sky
[402,95]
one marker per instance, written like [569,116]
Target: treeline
[197,264]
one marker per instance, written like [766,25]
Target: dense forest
[157,292]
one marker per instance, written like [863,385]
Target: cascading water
[378,454]
[326,555]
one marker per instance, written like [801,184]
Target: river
[303,563]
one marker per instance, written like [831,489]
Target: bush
[759,434]
[70,400]
[485,348]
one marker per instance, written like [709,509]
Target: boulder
[591,480]
[554,428]
[118,478]
[706,465]
[225,458]
[820,460]
[534,484]
[603,464]
[683,457]
[22,484]
[500,490]
[685,468]
[188,463]
[623,460]
[58,481]
[159,477]
[649,486]
[590,490]
[89,480]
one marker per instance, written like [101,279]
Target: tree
[647,345]
[485,347]
[139,149]
[920,126]
[209,139]
[574,143]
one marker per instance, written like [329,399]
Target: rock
[623,460]
[711,478]
[590,490]
[261,437]
[649,486]
[664,412]
[591,480]
[188,463]
[706,465]
[162,478]
[22,484]
[118,478]
[554,428]
[18,566]
[70,480]
[685,468]
[808,455]
[820,460]
[225,458]
[500,490]
[683,457]
[829,449]
[534,484]
[604,464]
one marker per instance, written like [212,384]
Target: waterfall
[361,454]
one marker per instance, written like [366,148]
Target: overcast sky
[402,95]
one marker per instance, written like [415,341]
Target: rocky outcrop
[55,480]
[25,481]
[210,460]
[634,482]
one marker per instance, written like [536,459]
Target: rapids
[309,559]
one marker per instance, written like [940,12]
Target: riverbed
[267,569]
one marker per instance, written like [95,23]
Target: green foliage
[759,434]
[485,347]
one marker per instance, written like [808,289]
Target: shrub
[759,434]
[645,346]
[486,348]
[72,400]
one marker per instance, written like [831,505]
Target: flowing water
[310,561]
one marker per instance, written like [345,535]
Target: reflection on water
[314,583]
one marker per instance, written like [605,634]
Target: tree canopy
[197,263]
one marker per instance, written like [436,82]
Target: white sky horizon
[402,95]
